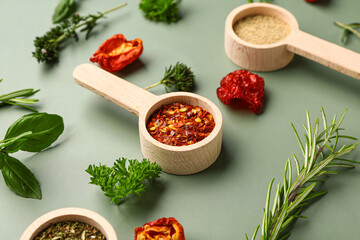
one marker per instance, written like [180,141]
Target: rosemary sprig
[320,157]
[16,98]
[347,29]
[180,76]
[47,47]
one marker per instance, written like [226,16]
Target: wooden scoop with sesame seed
[258,54]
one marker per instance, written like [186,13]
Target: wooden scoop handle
[116,90]
[324,52]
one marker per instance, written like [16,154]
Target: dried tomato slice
[117,52]
[242,84]
[163,228]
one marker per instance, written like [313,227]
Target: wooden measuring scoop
[179,160]
[270,57]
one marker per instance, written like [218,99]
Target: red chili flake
[312,1]
[242,84]
[180,124]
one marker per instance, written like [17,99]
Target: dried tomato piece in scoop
[163,228]
[244,85]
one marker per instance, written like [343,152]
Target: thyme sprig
[322,154]
[17,98]
[179,76]
[348,29]
[47,46]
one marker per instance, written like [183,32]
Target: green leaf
[118,182]
[19,178]
[63,10]
[45,129]
[161,10]
[2,159]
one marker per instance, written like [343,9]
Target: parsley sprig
[179,76]
[17,98]
[322,155]
[47,46]
[161,10]
[118,182]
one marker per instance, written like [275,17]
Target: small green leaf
[2,159]
[45,128]
[63,10]
[19,178]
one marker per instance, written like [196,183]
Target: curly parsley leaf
[118,182]
[161,10]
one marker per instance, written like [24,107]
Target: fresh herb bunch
[47,46]
[348,29]
[118,182]
[63,10]
[32,133]
[320,157]
[161,10]
[180,77]
[17,98]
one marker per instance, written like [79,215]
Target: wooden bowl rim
[43,222]
[215,111]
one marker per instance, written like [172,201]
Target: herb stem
[153,85]
[62,37]
[14,139]
[347,27]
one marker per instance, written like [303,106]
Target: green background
[222,202]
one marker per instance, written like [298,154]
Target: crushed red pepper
[117,52]
[180,124]
[163,228]
[244,85]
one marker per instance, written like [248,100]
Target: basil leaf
[63,10]
[45,129]
[2,159]
[19,178]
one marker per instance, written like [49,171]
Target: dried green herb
[32,133]
[70,230]
[348,29]
[322,154]
[119,181]
[17,98]
[161,10]
[47,46]
[179,77]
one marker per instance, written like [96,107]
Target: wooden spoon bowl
[179,160]
[270,57]
[69,214]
